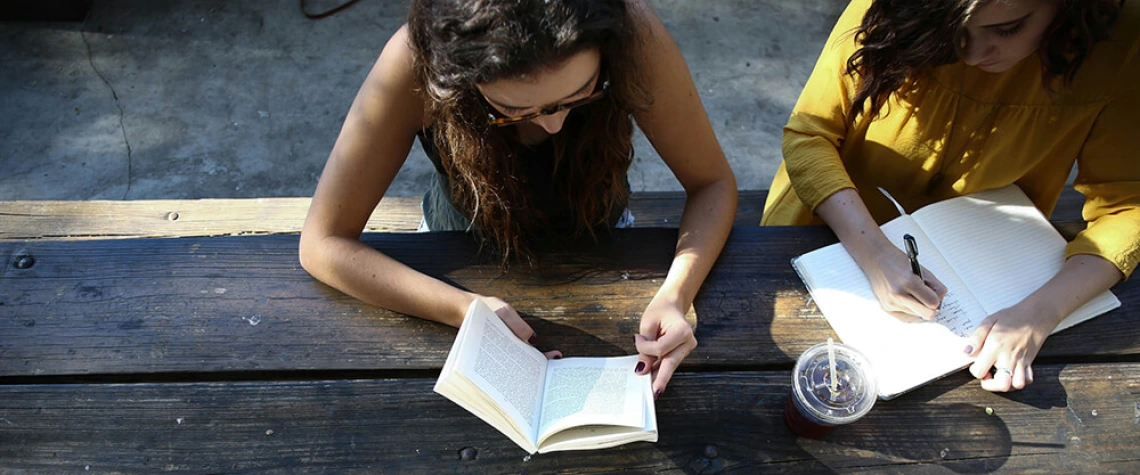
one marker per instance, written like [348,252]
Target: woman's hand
[517,325]
[677,126]
[900,291]
[665,340]
[1008,341]
[886,266]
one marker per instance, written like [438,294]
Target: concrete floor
[217,99]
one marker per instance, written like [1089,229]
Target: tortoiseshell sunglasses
[492,119]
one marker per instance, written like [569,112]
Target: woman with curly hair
[526,110]
[936,99]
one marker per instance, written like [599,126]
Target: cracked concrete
[216,99]
[115,96]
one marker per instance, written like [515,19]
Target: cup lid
[856,389]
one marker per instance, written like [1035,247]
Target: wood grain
[239,304]
[221,355]
[74,220]
[71,220]
[1076,419]
[182,218]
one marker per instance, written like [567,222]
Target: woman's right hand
[515,322]
[900,291]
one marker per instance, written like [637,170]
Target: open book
[991,249]
[545,405]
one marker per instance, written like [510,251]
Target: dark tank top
[441,214]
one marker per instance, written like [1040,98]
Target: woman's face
[573,79]
[1001,33]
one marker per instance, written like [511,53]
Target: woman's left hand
[1008,341]
[665,340]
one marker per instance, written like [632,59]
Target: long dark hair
[901,39]
[461,43]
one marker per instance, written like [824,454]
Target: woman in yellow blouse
[936,99]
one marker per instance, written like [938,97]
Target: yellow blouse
[1007,129]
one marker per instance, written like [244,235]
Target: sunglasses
[493,119]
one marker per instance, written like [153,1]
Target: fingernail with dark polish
[656,394]
[969,349]
[557,357]
[533,340]
[640,366]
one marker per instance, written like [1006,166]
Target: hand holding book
[665,339]
[543,405]
[511,317]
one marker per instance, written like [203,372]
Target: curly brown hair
[901,39]
[461,43]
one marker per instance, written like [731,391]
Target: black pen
[912,253]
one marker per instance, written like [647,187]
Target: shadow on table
[741,427]
[957,436]
[570,337]
[948,423]
[736,441]
[1046,392]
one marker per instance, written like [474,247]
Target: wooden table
[222,355]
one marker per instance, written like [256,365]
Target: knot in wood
[172,216]
[24,261]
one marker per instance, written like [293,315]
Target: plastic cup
[813,410]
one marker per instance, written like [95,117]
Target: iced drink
[815,405]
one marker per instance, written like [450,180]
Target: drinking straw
[831,359]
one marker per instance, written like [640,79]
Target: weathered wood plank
[1075,419]
[225,217]
[662,209]
[74,220]
[182,218]
[245,304]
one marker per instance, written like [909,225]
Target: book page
[600,437]
[509,371]
[905,353]
[592,391]
[1001,246]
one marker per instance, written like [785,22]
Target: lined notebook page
[1002,247]
[904,352]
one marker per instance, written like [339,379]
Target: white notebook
[991,249]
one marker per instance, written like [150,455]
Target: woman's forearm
[848,217]
[367,274]
[1081,278]
[705,225]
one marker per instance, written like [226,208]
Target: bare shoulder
[398,58]
[391,84]
[647,26]
[662,67]
[655,51]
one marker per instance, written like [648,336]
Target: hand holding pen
[912,254]
[920,298]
